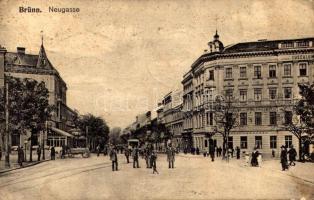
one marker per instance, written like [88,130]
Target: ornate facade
[262,78]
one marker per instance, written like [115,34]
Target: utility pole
[87,136]
[46,130]
[7,134]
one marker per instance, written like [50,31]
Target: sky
[119,58]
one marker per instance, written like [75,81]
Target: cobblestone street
[193,177]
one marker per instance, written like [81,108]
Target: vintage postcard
[156,99]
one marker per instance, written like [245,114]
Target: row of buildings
[19,64]
[262,80]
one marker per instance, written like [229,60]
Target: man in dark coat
[283,158]
[20,156]
[38,152]
[127,154]
[135,155]
[212,152]
[238,152]
[114,159]
[292,155]
[255,154]
[153,159]
[52,153]
[170,156]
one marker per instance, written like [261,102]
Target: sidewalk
[301,170]
[14,164]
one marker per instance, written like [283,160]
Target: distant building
[173,116]
[261,77]
[38,67]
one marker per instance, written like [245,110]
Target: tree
[98,130]
[114,136]
[28,107]
[225,117]
[305,107]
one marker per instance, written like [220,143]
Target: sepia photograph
[156,99]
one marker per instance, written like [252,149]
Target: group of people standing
[149,155]
[292,153]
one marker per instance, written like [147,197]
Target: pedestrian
[147,157]
[38,153]
[114,159]
[63,152]
[283,158]
[292,155]
[135,155]
[153,159]
[197,151]
[232,152]
[127,154]
[238,152]
[254,161]
[98,150]
[105,151]
[0,153]
[20,156]
[212,152]
[170,156]
[52,153]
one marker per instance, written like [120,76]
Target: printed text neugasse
[51,9]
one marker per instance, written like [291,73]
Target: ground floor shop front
[267,143]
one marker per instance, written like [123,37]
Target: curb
[29,165]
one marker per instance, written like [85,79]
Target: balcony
[210,84]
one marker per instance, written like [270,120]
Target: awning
[61,132]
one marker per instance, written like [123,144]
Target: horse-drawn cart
[83,151]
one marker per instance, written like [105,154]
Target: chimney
[20,50]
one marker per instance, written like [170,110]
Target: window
[287,45]
[287,93]
[272,93]
[229,93]
[273,142]
[243,142]
[273,118]
[288,141]
[257,72]
[288,117]
[243,119]
[272,71]
[230,142]
[210,118]
[287,69]
[243,95]
[228,72]
[211,75]
[303,44]
[302,67]
[242,72]
[258,142]
[258,118]
[257,94]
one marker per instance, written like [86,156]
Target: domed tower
[216,45]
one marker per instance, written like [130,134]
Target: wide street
[193,177]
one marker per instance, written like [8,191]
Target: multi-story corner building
[173,116]
[261,77]
[38,67]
